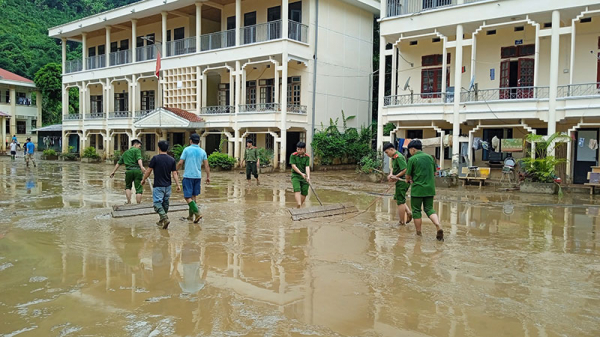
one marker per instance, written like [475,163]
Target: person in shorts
[163,167]
[300,162]
[30,152]
[421,174]
[13,150]
[252,161]
[134,169]
[398,172]
[193,157]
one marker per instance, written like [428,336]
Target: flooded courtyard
[512,264]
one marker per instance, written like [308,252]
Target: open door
[585,157]
[526,69]
[505,79]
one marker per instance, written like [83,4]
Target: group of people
[28,150]
[418,174]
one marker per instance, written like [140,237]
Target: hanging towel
[496,144]
[593,145]
[476,143]
[406,142]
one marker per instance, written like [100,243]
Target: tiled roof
[187,115]
[7,75]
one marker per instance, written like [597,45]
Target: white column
[238,22]
[133,40]
[442,134]
[64,54]
[205,90]
[457,86]
[3,132]
[572,67]
[238,98]
[243,87]
[284,92]
[164,34]
[383,14]
[65,100]
[285,19]
[132,94]
[83,50]
[554,58]
[198,89]
[394,87]
[198,25]
[381,90]
[473,57]
[536,57]
[107,48]
[236,147]
[109,100]
[277,93]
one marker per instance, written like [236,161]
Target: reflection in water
[507,268]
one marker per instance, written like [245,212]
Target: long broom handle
[376,170]
[315,193]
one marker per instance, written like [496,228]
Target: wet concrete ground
[512,264]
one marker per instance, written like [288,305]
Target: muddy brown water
[512,264]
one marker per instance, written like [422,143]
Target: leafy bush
[49,153]
[542,168]
[90,152]
[389,127]
[117,155]
[68,156]
[265,156]
[221,160]
[177,151]
[350,145]
[371,161]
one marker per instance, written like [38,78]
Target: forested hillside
[24,43]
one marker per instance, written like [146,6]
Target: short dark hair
[29,139]
[415,144]
[388,146]
[135,141]
[301,145]
[163,145]
[195,138]
[249,141]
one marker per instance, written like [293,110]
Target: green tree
[48,80]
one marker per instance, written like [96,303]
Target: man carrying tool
[300,162]
[252,161]
[421,174]
[163,166]
[193,156]
[134,169]
[398,171]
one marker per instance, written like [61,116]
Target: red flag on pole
[157,72]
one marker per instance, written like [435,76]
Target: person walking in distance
[193,157]
[421,174]
[398,172]
[300,162]
[252,161]
[13,150]
[29,150]
[163,167]
[134,169]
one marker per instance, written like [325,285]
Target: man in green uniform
[398,171]
[252,161]
[421,173]
[134,169]
[300,162]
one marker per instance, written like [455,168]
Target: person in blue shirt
[30,148]
[193,157]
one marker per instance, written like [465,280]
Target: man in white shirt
[13,149]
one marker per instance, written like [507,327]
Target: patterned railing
[73,66]
[95,115]
[182,46]
[141,114]
[120,57]
[402,7]
[409,99]
[217,110]
[95,62]
[72,117]
[515,93]
[260,107]
[298,31]
[296,109]
[579,90]
[119,114]
[262,32]
[217,40]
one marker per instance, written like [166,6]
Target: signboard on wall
[492,74]
[518,42]
[512,145]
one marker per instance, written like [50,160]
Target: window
[34,124]
[431,82]
[150,142]
[223,94]
[93,141]
[101,50]
[121,102]
[139,42]
[179,33]
[295,11]
[7,96]
[251,92]
[414,134]
[113,47]
[96,104]
[8,128]
[91,51]
[266,91]
[269,142]
[517,51]
[252,137]
[294,90]
[100,142]
[21,127]
[147,102]
[447,150]
[124,44]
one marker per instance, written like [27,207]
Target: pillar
[64,54]
[65,100]
[572,67]
[276,152]
[3,133]
[236,147]
[238,21]
[277,93]
[205,90]
[394,87]
[554,58]
[473,57]
[164,34]
[132,93]
[13,111]
[381,90]
[442,134]
[38,105]
[107,48]
[65,142]
[198,26]
[284,19]
[133,40]
[284,92]
[198,88]
[536,57]
[457,88]
[84,50]
[383,5]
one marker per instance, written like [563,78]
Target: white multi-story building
[20,112]
[485,68]
[230,69]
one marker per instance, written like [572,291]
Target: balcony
[217,110]
[73,66]
[72,117]
[119,114]
[146,53]
[403,7]
[579,90]
[297,109]
[412,99]
[261,32]
[182,46]
[95,115]
[95,62]
[120,57]
[217,40]
[141,114]
[260,108]
[298,31]
[516,93]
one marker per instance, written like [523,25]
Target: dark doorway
[585,157]
[274,17]
[488,135]
[74,142]
[178,33]
[250,30]
[178,138]
[231,35]
[274,14]
[295,11]
[212,143]
[292,140]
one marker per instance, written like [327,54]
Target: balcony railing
[73,66]
[141,114]
[297,109]
[119,114]
[409,99]
[261,32]
[71,117]
[95,115]
[402,7]
[95,62]
[217,110]
[217,40]
[579,90]
[505,94]
[298,31]
[120,57]
[260,107]
[146,53]
[182,46]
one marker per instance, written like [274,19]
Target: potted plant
[49,154]
[539,171]
[266,160]
[90,155]
[70,155]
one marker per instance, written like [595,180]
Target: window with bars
[121,102]
[223,94]
[251,92]
[21,127]
[517,51]
[100,142]
[266,91]
[93,141]
[269,142]
[96,104]
[150,142]
[147,100]
[294,90]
